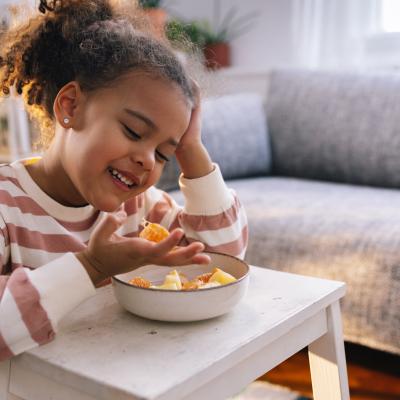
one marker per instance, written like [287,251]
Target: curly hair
[92,42]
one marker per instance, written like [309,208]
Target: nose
[145,158]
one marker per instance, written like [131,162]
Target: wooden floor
[373,375]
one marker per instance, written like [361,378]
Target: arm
[32,302]
[212,213]
[192,156]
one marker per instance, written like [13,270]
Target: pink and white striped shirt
[41,280]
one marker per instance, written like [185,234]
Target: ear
[68,104]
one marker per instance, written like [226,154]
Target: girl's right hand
[109,254]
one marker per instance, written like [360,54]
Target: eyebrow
[142,117]
[150,123]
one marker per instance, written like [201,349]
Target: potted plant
[213,42]
[190,35]
[217,49]
[156,15]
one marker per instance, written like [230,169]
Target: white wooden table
[104,352]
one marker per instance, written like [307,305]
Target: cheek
[101,152]
[87,161]
[155,175]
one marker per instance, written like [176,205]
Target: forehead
[142,87]
[161,100]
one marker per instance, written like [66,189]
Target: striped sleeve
[33,302]
[212,214]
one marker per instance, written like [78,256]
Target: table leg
[328,360]
[4,379]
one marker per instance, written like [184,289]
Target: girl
[114,105]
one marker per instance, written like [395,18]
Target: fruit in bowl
[178,281]
[177,302]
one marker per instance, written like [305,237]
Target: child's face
[128,129]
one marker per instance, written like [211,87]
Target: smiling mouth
[121,178]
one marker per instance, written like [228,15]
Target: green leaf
[150,3]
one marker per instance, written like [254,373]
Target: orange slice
[153,232]
[191,285]
[139,281]
[204,278]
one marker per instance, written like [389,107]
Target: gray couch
[318,171]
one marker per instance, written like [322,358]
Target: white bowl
[183,305]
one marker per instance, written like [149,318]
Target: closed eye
[131,133]
[164,158]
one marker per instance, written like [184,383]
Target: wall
[270,41]
[303,33]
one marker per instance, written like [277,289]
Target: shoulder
[8,178]
[7,170]
[13,196]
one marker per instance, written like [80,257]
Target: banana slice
[210,285]
[166,286]
[222,277]
[173,278]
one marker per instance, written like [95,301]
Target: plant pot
[217,55]
[157,18]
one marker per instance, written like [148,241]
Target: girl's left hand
[192,156]
[192,136]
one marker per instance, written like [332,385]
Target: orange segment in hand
[153,232]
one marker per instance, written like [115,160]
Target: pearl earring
[66,120]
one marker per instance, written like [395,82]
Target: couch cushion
[336,231]
[337,126]
[235,133]
[234,130]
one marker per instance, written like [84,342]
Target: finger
[200,259]
[167,244]
[196,89]
[187,255]
[109,224]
